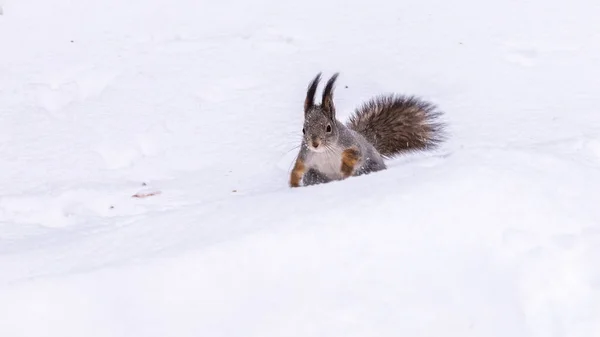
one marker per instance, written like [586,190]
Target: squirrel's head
[320,125]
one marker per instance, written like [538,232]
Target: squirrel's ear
[309,102]
[327,103]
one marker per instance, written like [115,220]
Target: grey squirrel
[382,128]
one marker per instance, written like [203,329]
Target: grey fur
[379,121]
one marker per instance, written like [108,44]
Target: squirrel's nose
[315,143]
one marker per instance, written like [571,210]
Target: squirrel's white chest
[327,163]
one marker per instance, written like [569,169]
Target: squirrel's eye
[328,128]
[303,131]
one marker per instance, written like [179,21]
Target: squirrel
[380,129]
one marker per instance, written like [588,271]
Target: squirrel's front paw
[297,173]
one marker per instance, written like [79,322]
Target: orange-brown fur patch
[297,173]
[349,159]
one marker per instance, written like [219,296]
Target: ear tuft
[327,103]
[309,102]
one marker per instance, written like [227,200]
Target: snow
[198,107]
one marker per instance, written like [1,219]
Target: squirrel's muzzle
[315,142]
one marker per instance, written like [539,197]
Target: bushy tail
[395,124]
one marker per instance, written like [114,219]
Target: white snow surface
[495,234]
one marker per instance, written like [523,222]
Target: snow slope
[495,234]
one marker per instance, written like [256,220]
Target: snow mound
[146,147]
